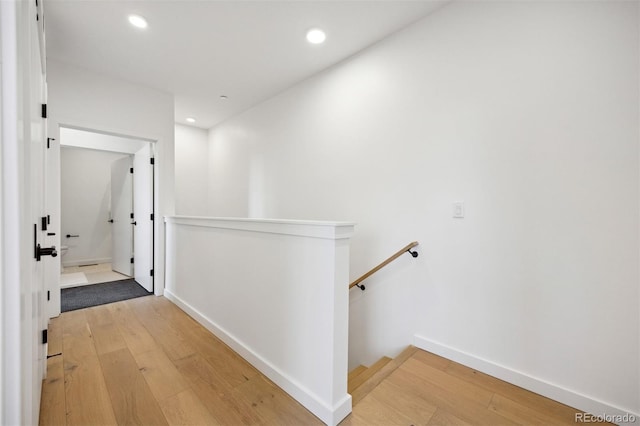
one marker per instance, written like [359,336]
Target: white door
[121,210]
[34,149]
[52,268]
[23,354]
[143,210]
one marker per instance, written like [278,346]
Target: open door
[121,220]
[52,267]
[143,214]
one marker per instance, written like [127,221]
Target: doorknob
[110,221]
[46,251]
[134,223]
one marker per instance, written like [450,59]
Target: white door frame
[53,188]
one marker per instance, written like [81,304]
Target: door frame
[53,187]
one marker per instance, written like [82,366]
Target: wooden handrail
[399,253]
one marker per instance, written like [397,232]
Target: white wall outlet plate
[458,209]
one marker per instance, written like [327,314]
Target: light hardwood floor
[430,390]
[144,361]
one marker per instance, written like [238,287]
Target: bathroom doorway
[106,187]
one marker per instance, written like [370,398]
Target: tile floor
[75,276]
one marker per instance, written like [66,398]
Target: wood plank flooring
[144,361]
[430,390]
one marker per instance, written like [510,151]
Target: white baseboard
[539,386]
[329,415]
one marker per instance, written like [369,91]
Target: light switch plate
[458,209]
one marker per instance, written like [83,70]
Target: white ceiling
[199,50]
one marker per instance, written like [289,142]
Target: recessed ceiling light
[191,119]
[138,21]
[316,36]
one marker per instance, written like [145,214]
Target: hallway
[144,361]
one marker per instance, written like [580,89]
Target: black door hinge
[44,337]
[151,272]
[131,215]
[151,216]
[48,295]
[152,160]
[131,170]
[44,223]
[44,111]
[132,260]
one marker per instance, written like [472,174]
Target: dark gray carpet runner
[99,294]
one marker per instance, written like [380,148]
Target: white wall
[192,170]
[527,112]
[10,338]
[85,178]
[3,116]
[82,99]
[2,256]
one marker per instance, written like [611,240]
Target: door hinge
[44,337]
[151,216]
[151,272]
[44,111]
[152,160]
[48,295]
[49,142]
[131,215]
[131,170]
[44,223]
[132,260]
